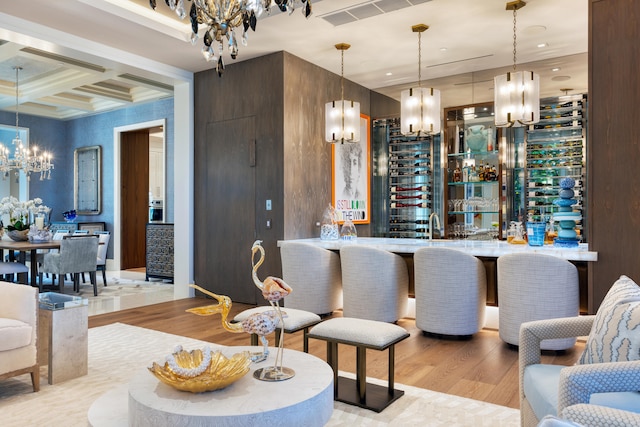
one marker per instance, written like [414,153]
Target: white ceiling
[468,42]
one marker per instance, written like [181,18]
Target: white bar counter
[480,248]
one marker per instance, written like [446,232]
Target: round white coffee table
[306,399]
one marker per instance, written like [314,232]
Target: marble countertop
[483,248]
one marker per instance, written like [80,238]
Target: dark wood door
[134,193]
[230,209]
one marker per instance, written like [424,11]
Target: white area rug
[117,351]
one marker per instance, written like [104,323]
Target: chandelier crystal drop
[420,107]
[221,18]
[24,159]
[516,93]
[342,118]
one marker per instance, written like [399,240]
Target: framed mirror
[87,185]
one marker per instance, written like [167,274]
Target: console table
[304,400]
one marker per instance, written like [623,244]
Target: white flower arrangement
[19,211]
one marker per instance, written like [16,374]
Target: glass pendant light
[517,93]
[420,107]
[342,118]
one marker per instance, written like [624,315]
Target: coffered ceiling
[469,41]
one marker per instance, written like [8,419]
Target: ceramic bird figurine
[273,288]
[260,324]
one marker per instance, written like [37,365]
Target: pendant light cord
[514,38]
[419,59]
[17,104]
[342,75]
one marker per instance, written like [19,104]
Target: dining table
[24,247]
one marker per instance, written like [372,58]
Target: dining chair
[77,255]
[58,235]
[103,245]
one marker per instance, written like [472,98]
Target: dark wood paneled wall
[382,106]
[307,157]
[613,150]
[285,96]
[249,89]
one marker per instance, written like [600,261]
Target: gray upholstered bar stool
[450,291]
[534,287]
[375,283]
[314,276]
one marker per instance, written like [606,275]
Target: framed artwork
[350,177]
[92,226]
[87,180]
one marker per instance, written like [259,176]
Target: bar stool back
[535,287]
[375,283]
[450,290]
[314,275]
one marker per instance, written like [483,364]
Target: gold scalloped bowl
[221,372]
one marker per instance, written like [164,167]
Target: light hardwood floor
[482,368]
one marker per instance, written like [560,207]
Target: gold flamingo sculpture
[260,324]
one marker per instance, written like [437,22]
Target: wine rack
[555,149]
[410,183]
[473,173]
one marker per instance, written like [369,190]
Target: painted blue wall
[49,135]
[98,130]
[63,137]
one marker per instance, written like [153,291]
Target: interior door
[230,208]
[134,191]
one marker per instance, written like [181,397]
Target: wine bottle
[419,188]
[410,205]
[402,197]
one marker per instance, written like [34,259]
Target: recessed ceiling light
[560,78]
[541,45]
[534,30]
[443,49]
[389,74]
[556,69]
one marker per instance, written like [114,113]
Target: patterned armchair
[594,393]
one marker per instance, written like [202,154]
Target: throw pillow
[615,334]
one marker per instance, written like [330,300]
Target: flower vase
[18,235]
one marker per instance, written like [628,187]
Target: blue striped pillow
[615,334]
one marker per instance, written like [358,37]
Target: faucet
[433,215]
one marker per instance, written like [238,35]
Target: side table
[63,345]
[304,400]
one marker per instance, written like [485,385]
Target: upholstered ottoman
[294,321]
[362,334]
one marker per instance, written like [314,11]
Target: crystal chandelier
[221,17]
[28,161]
[419,107]
[517,93]
[342,118]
